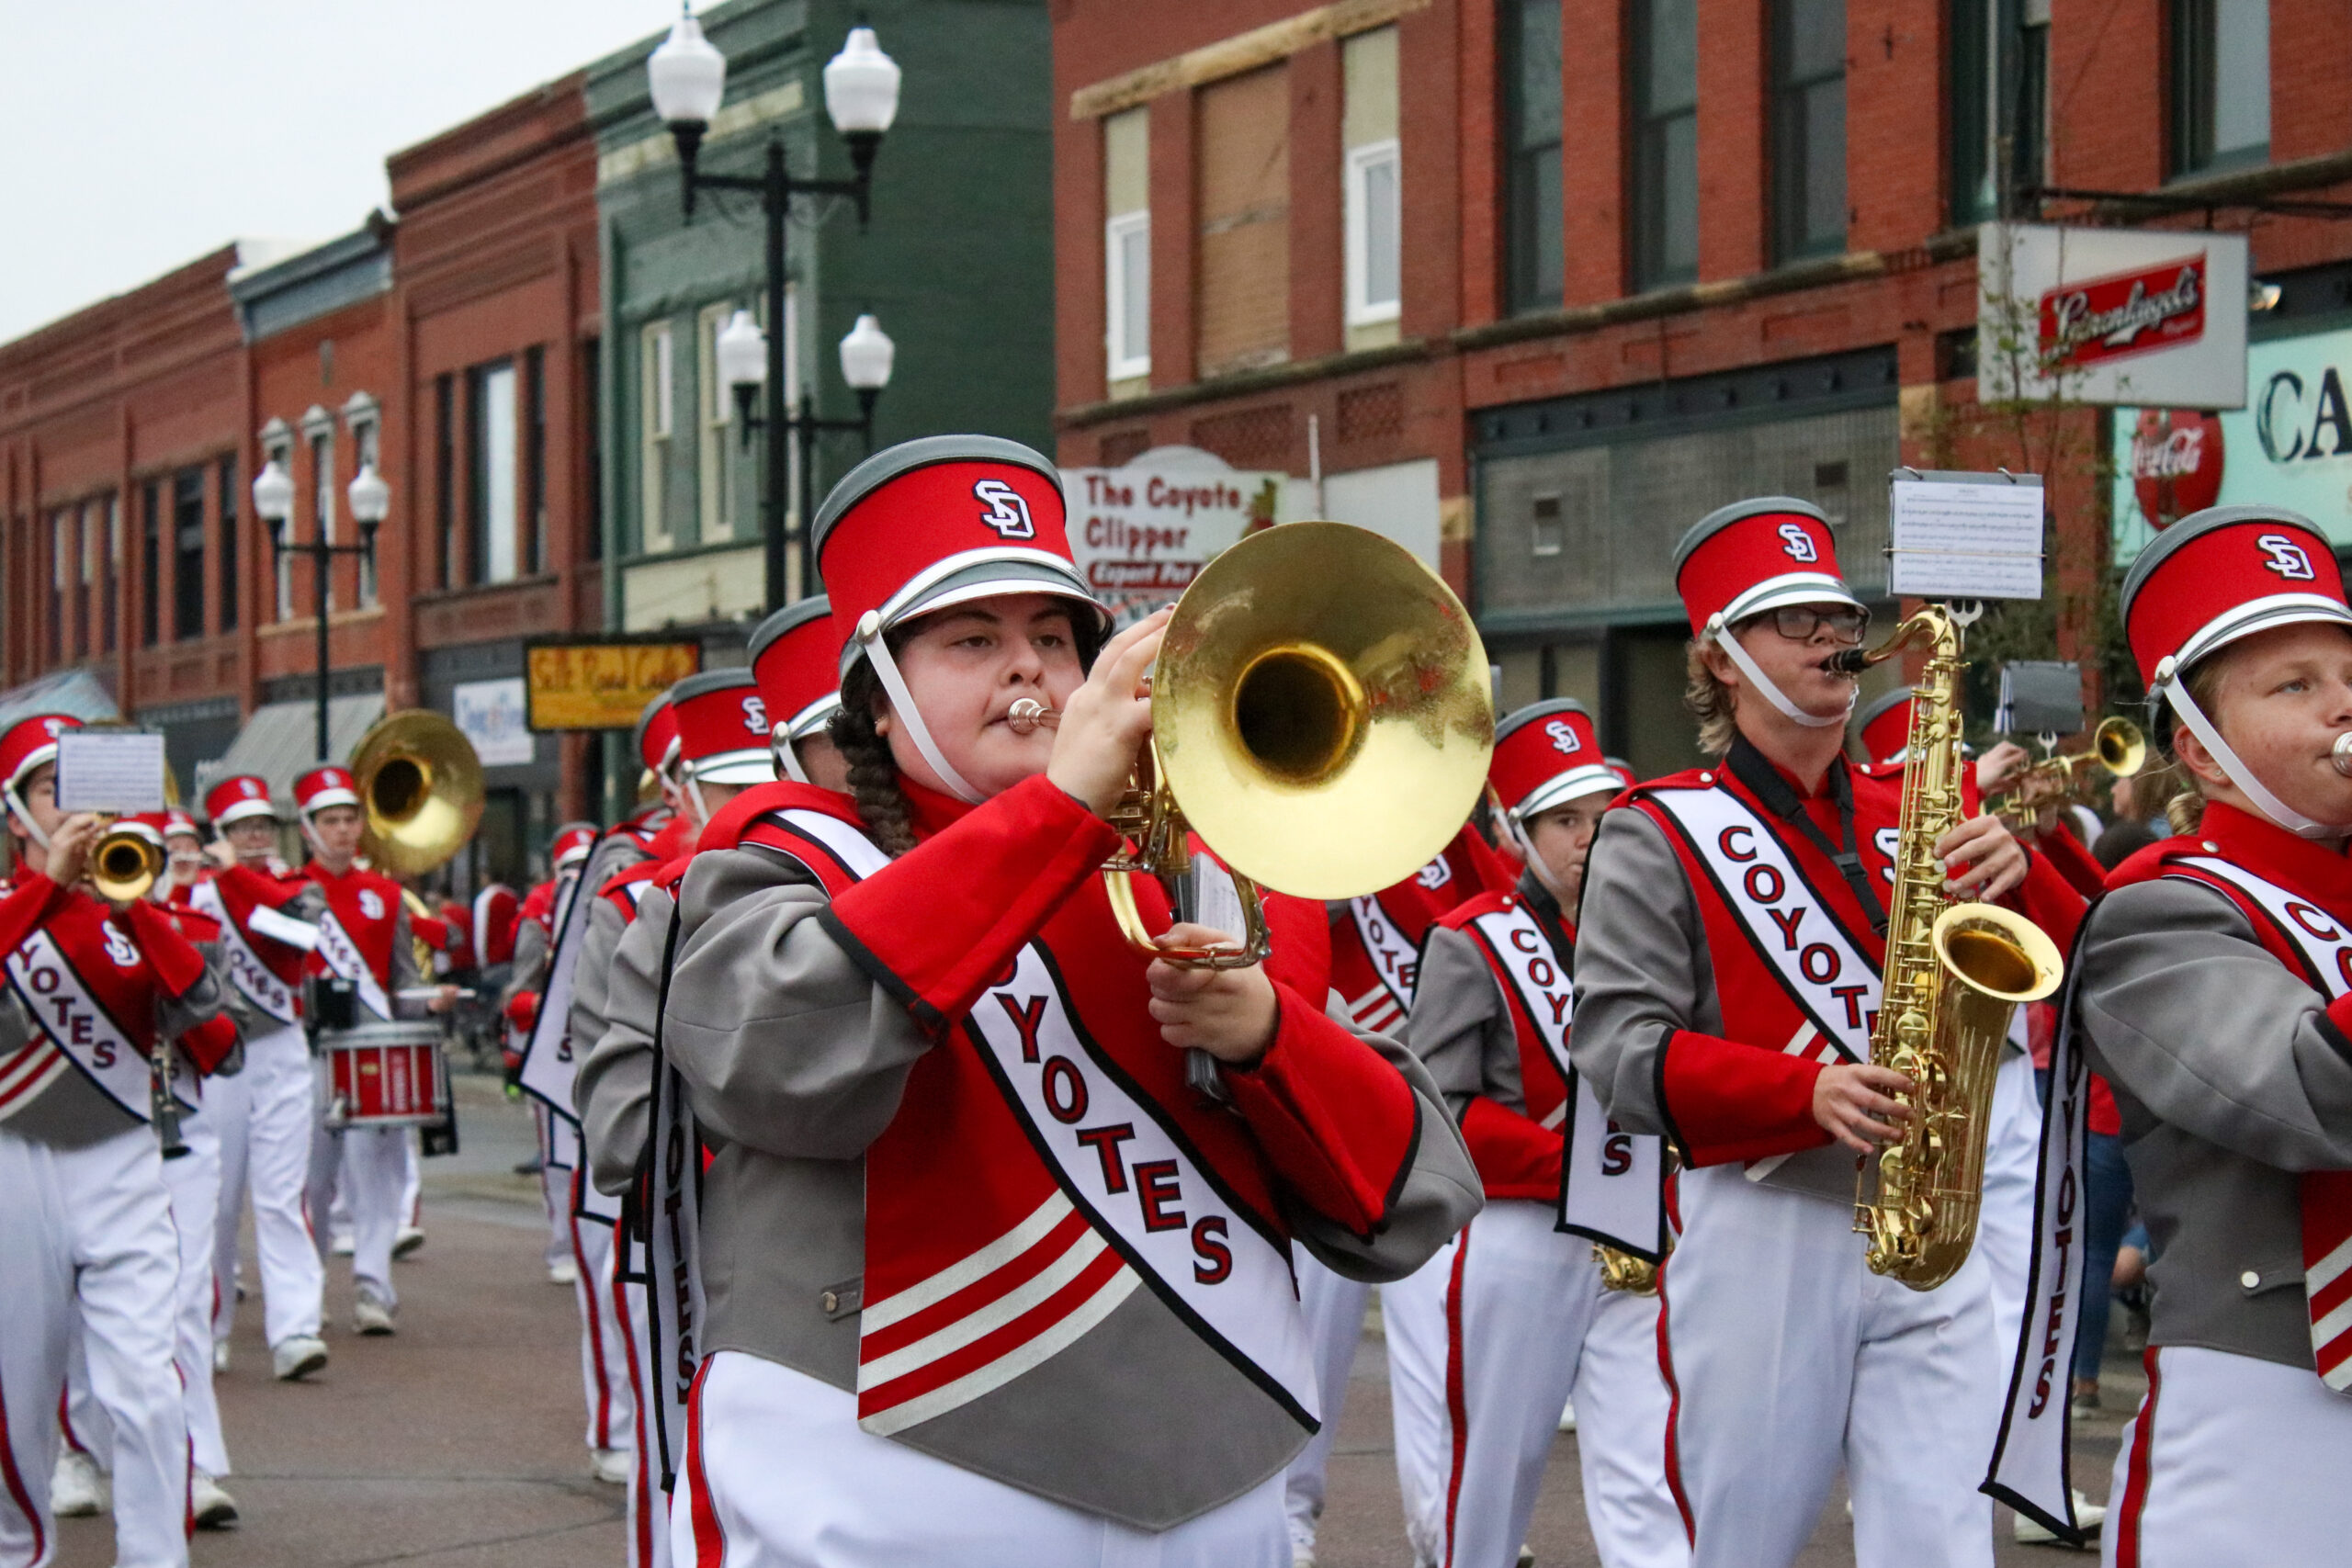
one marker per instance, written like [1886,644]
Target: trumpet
[2116,747]
[125,865]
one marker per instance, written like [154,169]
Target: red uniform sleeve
[2070,860]
[1336,1119]
[173,959]
[1516,1156]
[24,909]
[2048,899]
[935,925]
[210,1042]
[434,931]
[524,1011]
[271,892]
[1724,1101]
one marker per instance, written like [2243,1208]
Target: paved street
[457,1444]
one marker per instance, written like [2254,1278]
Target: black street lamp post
[688,77]
[371,500]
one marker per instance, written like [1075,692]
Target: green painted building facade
[956,263]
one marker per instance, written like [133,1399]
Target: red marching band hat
[933,523]
[148,825]
[657,735]
[572,842]
[28,744]
[177,819]
[1753,556]
[797,663]
[722,729]
[1883,726]
[237,797]
[322,786]
[2210,579]
[1547,754]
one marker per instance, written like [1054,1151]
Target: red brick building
[1552,278]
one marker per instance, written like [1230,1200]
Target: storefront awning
[280,741]
[76,692]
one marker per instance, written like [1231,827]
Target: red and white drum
[385,1074]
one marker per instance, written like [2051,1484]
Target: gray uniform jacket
[252,1023]
[1642,971]
[528,969]
[795,1058]
[2231,1081]
[1461,1026]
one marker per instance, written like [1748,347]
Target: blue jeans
[2107,1182]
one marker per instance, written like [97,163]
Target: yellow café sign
[602,683]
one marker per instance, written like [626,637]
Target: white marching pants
[1787,1357]
[2231,1463]
[555,1188]
[1333,1309]
[367,1168]
[267,1130]
[1412,1318]
[603,1336]
[649,1505]
[1527,1325]
[87,1232]
[779,1475]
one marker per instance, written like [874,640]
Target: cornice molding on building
[1248,383]
[360,408]
[658,148]
[317,422]
[1852,267]
[453,144]
[1232,56]
[197,281]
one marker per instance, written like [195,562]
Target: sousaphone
[420,792]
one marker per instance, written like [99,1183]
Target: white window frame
[500,442]
[1360,160]
[715,492]
[657,412]
[1126,360]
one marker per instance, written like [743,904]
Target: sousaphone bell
[420,792]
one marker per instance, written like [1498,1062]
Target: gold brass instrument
[1321,717]
[1953,973]
[1623,1271]
[125,865]
[420,792]
[2117,747]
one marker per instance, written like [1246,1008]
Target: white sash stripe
[969,1268]
[851,848]
[548,1066]
[2326,1328]
[60,1005]
[254,980]
[33,1067]
[2324,952]
[2323,1273]
[342,956]
[1394,960]
[1024,1358]
[284,928]
[1032,1292]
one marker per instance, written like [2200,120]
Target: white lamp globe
[862,86]
[867,353]
[274,493]
[687,75]
[370,497]
[742,352]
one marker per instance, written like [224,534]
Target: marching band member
[96,997]
[531,940]
[363,942]
[2209,989]
[267,917]
[953,1133]
[1725,971]
[791,659]
[1523,1317]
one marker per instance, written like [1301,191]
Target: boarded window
[1244,270]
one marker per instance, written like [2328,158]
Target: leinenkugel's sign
[602,683]
[2111,315]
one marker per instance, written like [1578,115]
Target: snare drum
[385,1074]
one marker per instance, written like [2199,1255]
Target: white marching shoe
[296,1356]
[2087,1514]
[209,1503]
[407,1239]
[370,1316]
[78,1489]
[563,1271]
[1568,1416]
[220,1356]
[609,1465]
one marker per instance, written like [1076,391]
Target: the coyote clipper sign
[2111,316]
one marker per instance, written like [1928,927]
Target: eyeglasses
[1799,622]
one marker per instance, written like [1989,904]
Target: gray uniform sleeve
[593,974]
[1461,1027]
[1440,1193]
[614,1088]
[2191,1017]
[786,1045]
[529,970]
[405,973]
[1641,967]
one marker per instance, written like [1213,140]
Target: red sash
[357,932]
[267,973]
[91,996]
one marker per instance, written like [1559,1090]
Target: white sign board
[1964,535]
[1140,534]
[496,717]
[113,771]
[2111,315]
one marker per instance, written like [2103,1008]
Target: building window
[445,480]
[150,564]
[322,515]
[86,577]
[533,548]
[2000,103]
[1808,128]
[1533,222]
[229,585]
[2221,85]
[1371,197]
[1243,317]
[1665,141]
[1544,534]
[109,513]
[61,561]
[715,494]
[490,472]
[592,398]
[656,406]
[188,554]
[1127,246]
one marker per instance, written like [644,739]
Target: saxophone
[1953,974]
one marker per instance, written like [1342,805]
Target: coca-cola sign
[2128,312]
[2175,463]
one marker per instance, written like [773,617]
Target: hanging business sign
[601,682]
[2290,445]
[494,716]
[1140,534]
[2154,317]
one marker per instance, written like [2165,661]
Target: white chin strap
[1541,872]
[16,809]
[902,703]
[2175,692]
[1755,677]
[787,760]
[694,792]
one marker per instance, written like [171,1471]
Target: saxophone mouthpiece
[1027,713]
[2341,753]
[1846,661]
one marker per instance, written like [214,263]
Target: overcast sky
[143,133]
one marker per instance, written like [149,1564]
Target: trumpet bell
[419,791]
[2119,746]
[1321,711]
[125,865]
